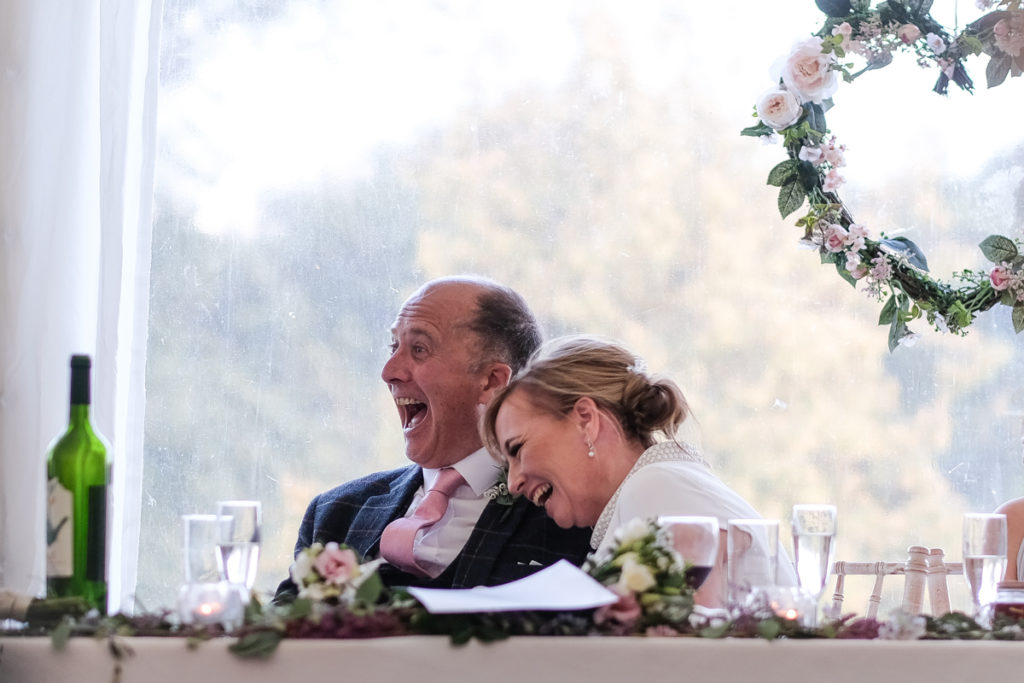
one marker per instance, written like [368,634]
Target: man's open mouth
[412,411]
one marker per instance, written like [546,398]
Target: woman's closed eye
[512,449]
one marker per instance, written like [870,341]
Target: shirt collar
[478,468]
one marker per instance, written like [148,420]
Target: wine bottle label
[96,552]
[60,524]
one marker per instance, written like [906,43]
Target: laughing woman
[592,438]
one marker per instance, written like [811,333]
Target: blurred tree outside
[615,207]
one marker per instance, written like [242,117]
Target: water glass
[696,541]
[984,556]
[752,556]
[206,598]
[240,543]
[202,537]
[814,533]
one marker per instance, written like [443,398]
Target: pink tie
[396,543]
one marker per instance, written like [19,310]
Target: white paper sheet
[558,587]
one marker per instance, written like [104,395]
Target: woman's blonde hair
[566,369]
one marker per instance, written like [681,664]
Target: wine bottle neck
[80,393]
[79,413]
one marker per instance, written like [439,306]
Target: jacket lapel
[379,510]
[497,523]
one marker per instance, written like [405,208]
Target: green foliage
[998,249]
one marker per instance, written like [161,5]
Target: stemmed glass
[814,533]
[696,540]
[984,555]
[753,554]
[239,544]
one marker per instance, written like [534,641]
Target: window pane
[320,159]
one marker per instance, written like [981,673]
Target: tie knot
[448,479]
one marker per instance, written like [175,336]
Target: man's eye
[393,346]
[419,349]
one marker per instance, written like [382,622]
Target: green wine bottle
[76,519]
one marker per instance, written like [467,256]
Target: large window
[319,159]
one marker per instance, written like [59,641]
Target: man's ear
[496,378]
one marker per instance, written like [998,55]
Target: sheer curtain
[77,118]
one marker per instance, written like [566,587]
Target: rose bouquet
[648,575]
[333,573]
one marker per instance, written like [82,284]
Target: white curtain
[78,85]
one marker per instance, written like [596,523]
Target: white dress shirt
[436,546]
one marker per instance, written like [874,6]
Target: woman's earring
[590,448]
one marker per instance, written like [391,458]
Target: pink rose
[1001,278]
[807,72]
[834,238]
[335,564]
[624,612]
[908,33]
[779,109]
[1009,33]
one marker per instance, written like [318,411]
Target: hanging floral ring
[894,268]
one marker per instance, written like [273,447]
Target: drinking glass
[202,538]
[814,533]
[752,550]
[240,543]
[206,598]
[696,540]
[984,555]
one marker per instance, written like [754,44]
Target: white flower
[811,154]
[636,576]
[834,152]
[779,108]
[935,43]
[902,626]
[908,340]
[301,569]
[854,266]
[856,237]
[832,181]
[807,72]
[940,323]
[631,531]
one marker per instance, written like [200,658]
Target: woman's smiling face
[548,463]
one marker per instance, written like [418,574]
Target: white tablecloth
[522,660]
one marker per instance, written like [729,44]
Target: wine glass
[752,557]
[696,541]
[240,543]
[984,555]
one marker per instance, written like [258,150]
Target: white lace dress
[673,479]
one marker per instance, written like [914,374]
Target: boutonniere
[499,493]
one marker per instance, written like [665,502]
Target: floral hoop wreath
[894,268]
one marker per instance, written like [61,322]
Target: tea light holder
[789,603]
[204,604]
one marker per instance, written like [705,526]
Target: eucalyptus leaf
[60,634]
[815,117]
[997,70]
[791,197]
[888,312]
[835,8]
[1018,318]
[897,331]
[913,252]
[784,172]
[1008,298]
[998,249]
